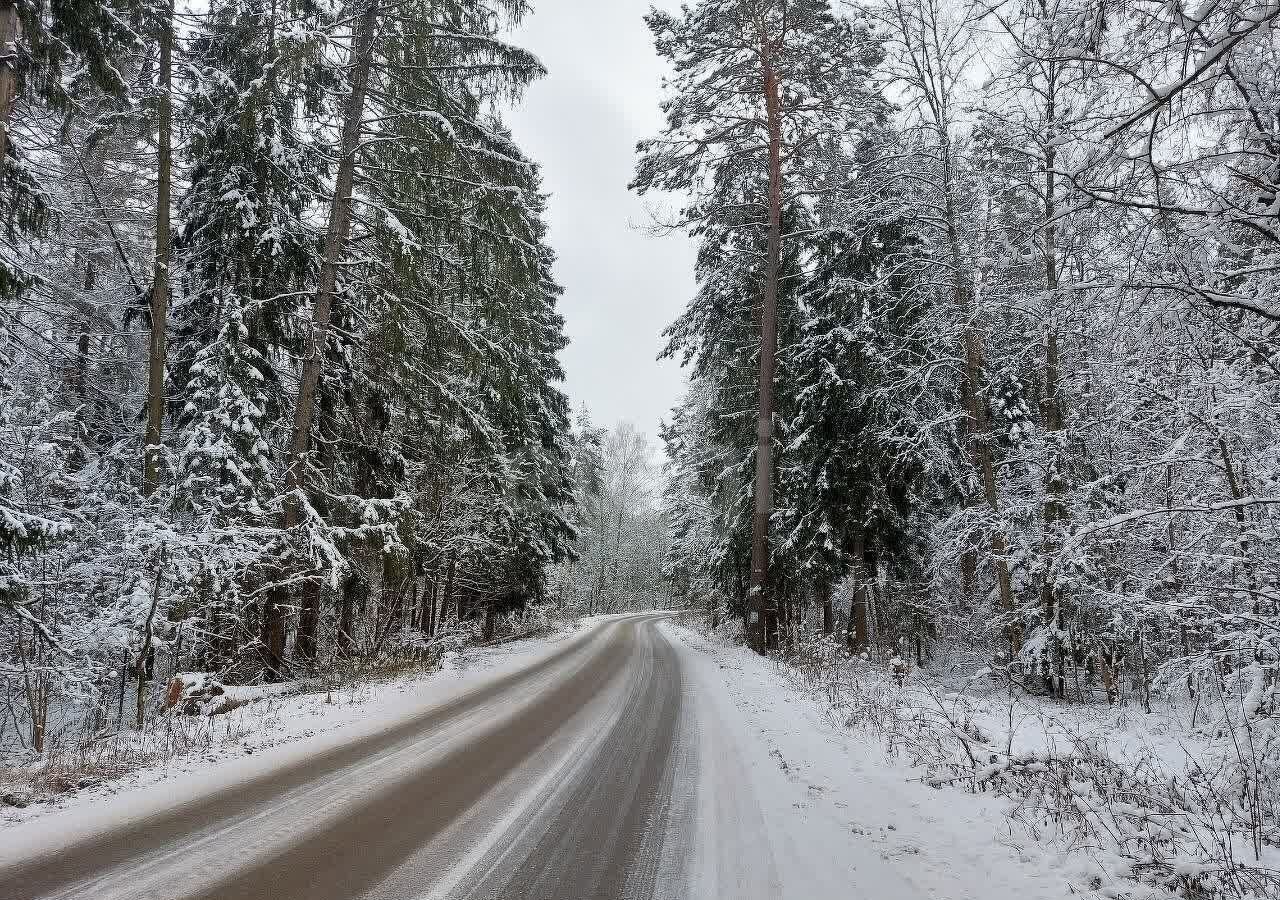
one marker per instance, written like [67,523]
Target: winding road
[565,779]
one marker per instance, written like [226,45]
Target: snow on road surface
[632,760]
[272,733]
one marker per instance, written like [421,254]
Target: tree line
[984,344]
[279,382]
[620,559]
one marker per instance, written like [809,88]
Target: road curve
[558,781]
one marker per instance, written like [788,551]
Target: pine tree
[247,250]
[23,529]
[769,89]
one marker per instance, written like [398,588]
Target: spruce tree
[246,245]
[247,251]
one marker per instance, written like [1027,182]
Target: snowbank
[827,814]
[1130,805]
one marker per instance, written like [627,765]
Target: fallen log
[202,694]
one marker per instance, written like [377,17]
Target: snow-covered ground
[772,795]
[1045,798]
[825,812]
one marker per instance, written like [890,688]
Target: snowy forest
[983,349]
[982,430]
[278,342]
[980,420]
[1007,273]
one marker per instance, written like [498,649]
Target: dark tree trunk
[828,614]
[157,354]
[761,608]
[859,603]
[8,86]
[274,631]
[1051,405]
[309,619]
[447,597]
[430,604]
[339,230]
[976,423]
[336,236]
[347,614]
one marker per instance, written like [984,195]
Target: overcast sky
[622,285]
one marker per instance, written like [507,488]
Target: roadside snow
[791,806]
[274,732]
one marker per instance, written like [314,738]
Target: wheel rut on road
[598,841]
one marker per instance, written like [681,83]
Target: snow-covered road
[633,760]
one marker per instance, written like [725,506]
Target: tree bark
[426,616]
[1051,408]
[447,597]
[309,619]
[828,614]
[859,631]
[346,613]
[1242,520]
[977,425]
[761,612]
[274,634]
[157,354]
[336,236]
[978,428]
[8,84]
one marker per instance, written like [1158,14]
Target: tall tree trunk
[1242,520]
[146,647]
[157,354]
[761,611]
[274,633]
[858,635]
[8,83]
[1051,408]
[339,231]
[977,432]
[447,597]
[978,446]
[828,614]
[426,616]
[977,425]
[309,619]
[346,613]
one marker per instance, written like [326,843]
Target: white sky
[622,285]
